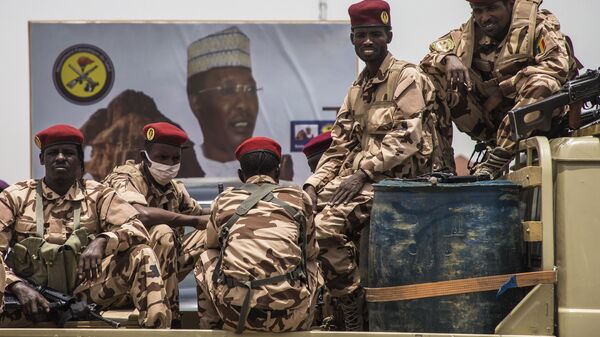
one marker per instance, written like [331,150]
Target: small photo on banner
[302,132]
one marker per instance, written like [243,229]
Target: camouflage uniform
[176,252]
[387,127]
[524,67]
[130,268]
[262,244]
[2,282]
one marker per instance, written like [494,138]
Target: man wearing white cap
[222,95]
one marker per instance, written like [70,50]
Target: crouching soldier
[164,204]
[78,237]
[259,271]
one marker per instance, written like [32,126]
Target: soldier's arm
[551,64]
[8,212]
[434,63]
[405,136]
[119,222]
[341,145]
[312,247]
[212,228]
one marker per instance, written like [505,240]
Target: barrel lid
[411,184]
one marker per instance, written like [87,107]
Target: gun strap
[501,283]
[39,211]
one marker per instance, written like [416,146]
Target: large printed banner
[220,82]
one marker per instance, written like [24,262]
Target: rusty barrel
[422,232]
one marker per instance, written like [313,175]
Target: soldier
[492,64]
[314,149]
[386,128]
[77,236]
[259,271]
[164,204]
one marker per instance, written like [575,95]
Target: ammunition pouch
[48,264]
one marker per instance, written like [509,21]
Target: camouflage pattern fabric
[262,244]
[105,214]
[2,283]
[521,80]
[177,254]
[388,126]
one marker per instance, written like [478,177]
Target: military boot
[352,307]
[496,161]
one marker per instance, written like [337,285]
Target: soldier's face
[493,19]
[62,162]
[164,154]
[370,43]
[226,106]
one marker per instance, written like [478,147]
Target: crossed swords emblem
[83,76]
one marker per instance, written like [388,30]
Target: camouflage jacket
[507,65]
[132,184]
[262,244]
[103,212]
[387,127]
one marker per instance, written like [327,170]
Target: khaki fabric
[177,253]
[389,127]
[103,213]
[2,283]
[524,68]
[261,244]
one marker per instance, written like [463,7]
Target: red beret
[482,2]
[256,144]
[164,133]
[317,145]
[58,134]
[370,13]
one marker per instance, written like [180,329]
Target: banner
[220,82]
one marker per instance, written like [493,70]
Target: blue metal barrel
[423,233]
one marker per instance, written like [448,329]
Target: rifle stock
[538,116]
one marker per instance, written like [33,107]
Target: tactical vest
[374,121]
[258,193]
[45,263]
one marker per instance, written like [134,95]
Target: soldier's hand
[201,221]
[457,73]
[31,300]
[312,193]
[90,261]
[349,188]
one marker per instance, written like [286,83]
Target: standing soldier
[386,128]
[259,271]
[493,64]
[164,204]
[77,236]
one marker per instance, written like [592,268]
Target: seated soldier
[164,205]
[77,236]
[259,271]
[314,149]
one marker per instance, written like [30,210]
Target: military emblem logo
[83,74]
[150,134]
[38,142]
[443,46]
[385,18]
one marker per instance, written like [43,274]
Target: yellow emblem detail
[150,134]
[443,46]
[38,142]
[385,18]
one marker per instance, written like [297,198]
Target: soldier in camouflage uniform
[164,204]
[387,127]
[507,55]
[48,222]
[259,271]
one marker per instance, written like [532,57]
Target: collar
[382,72]
[488,43]
[260,179]
[75,193]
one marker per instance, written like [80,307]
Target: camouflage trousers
[337,228]
[176,258]
[2,283]
[467,112]
[213,314]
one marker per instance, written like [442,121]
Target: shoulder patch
[443,46]
[540,46]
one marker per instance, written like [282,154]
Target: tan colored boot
[496,161]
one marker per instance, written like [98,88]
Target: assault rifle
[63,308]
[584,89]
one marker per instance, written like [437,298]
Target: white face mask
[160,172]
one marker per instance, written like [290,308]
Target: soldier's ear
[352,37]
[241,175]
[42,158]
